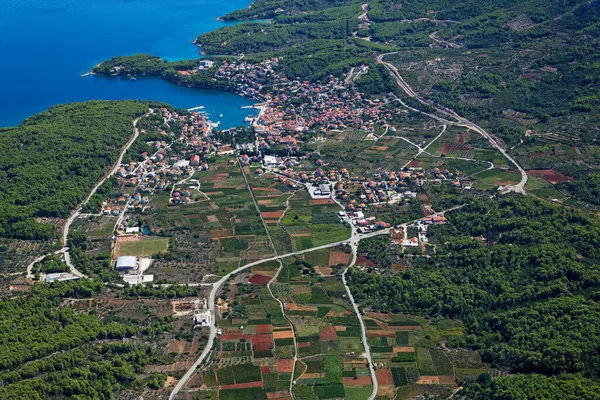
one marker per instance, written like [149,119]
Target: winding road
[460,121]
[353,241]
[65,235]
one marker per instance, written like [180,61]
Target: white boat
[220,115]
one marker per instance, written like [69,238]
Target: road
[436,39]
[77,212]
[460,121]
[355,238]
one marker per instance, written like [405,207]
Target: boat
[133,78]
[249,118]
[220,115]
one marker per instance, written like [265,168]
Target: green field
[142,248]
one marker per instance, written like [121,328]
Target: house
[205,64]
[203,318]
[195,161]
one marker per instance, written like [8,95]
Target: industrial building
[126,263]
[59,277]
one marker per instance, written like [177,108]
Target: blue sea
[45,45]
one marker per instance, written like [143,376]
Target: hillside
[50,162]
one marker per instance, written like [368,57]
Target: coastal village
[291,115]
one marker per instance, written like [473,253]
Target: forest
[50,351]
[153,66]
[50,162]
[523,275]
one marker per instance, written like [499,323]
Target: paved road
[460,121]
[65,249]
[217,286]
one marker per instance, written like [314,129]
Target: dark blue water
[45,45]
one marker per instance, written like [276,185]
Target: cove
[45,45]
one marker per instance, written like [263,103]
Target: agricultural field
[311,223]
[540,187]
[257,344]
[411,356]
[494,178]
[215,234]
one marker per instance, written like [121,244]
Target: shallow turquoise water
[45,45]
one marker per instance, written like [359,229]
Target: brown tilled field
[339,257]
[357,381]
[550,175]
[384,376]
[288,334]
[285,365]
[272,214]
[320,202]
[327,333]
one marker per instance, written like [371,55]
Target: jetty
[196,108]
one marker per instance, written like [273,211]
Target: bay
[45,45]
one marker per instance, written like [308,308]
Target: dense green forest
[49,350]
[153,66]
[50,162]
[262,9]
[586,188]
[523,275]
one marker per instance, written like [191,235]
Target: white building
[126,263]
[59,277]
[203,318]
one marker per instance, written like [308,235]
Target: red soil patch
[287,334]
[261,339]
[263,329]
[259,279]
[320,202]
[271,221]
[384,376]
[338,257]
[281,395]
[327,333]
[387,333]
[285,365]
[550,175]
[243,385]
[404,328]
[263,346]
[265,369]
[234,336]
[303,344]
[365,261]
[272,214]
[413,164]
[357,381]
[404,349]
[428,380]
[446,379]
[445,148]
